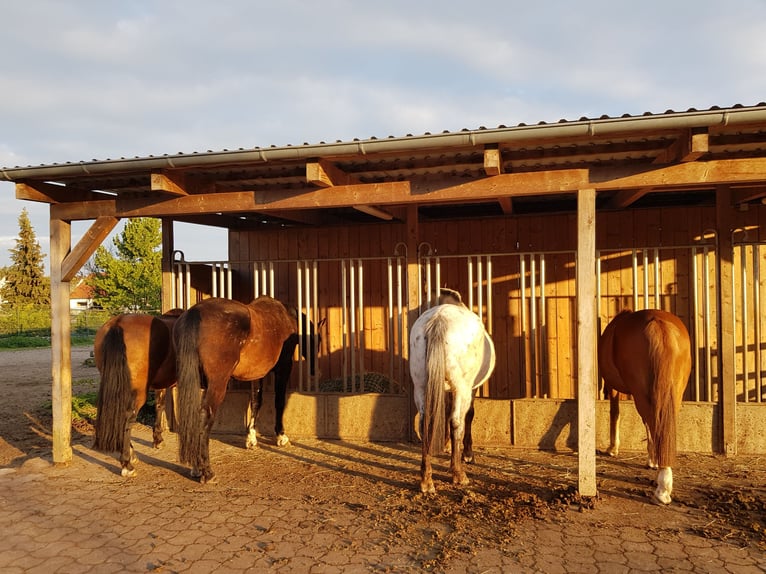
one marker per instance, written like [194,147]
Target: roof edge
[482,136]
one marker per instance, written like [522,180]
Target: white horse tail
[434,417]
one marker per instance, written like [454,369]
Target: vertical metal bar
[213,281]
[706,300]
[352,314]
[315,322]
[543,329]
[490,297]
[744,321]
[695,326]
[480,286]
[429,290]
[188,286]
[390,318]
[657,278]
[757,320]
[299,289]
[400,321]
[361,325]
[345,319]
[533,322]
[635,280]
[230,288]
[469,262]
[525,343]
[646,277]
[438,265]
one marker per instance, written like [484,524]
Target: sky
[96,79]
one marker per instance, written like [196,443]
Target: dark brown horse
[134,353]
[647,354]
[217,340]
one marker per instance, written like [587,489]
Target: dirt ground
[714,498]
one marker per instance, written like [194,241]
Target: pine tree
[130,279]
[25,281]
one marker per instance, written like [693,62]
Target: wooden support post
[61,343]
[413,289]
[167,265]
[726,344]
[586,340]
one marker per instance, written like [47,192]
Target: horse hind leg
[127,456]
[457,428]
[468,438]
[614,423]
[256,400]
[160,418]
[426,471]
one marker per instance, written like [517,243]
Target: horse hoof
[662,499]
[427,488]
[464,481]
[159,445]
[251,444]
[283,440]
[128,472]
[208,479]
[468,459]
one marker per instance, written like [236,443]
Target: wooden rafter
[689,146]
[323,173]
[493,165]
[87,245]
[172,182]
[49,193]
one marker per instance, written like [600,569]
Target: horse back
[271,326]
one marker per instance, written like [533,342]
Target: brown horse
[220,339]
[647,354]
[134,353]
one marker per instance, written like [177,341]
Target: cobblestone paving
[312,508]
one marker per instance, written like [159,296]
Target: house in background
[81,295]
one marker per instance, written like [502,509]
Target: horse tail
[189,386]
[434,417]
[116,398]
[663,344]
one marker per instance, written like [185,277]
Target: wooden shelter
[551,228]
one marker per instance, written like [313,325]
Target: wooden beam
[506,204]
[749,194]
[169,181]
[87,245]
[49,193]
[324,173]
[448,190]
[493,161]
[375,212]
[626,197]
[689,174]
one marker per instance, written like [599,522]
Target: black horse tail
[189,386]
[434,417]
[116,398]
[663,342]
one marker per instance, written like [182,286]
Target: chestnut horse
[451,355]
[220,339]
[647,354]
[133,353]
